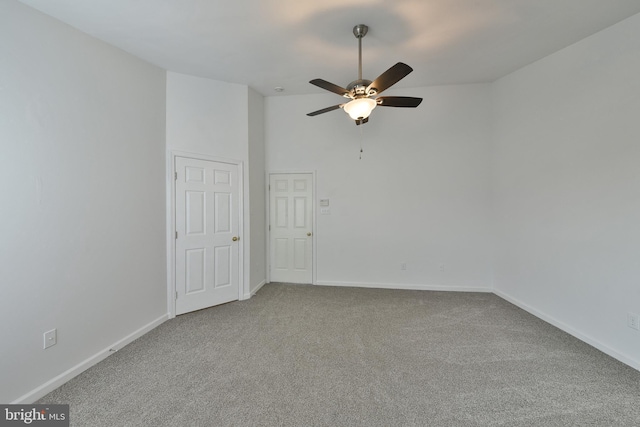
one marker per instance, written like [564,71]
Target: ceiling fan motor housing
[358,88]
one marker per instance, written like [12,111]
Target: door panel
[195,270]
[222,210]
[300,212]
[223,266]
[291,225]
[207,218]
[300,254]
[195,212]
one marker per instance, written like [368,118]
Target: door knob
[309,234]
[235,238]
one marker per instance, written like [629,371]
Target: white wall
[207,116]
[258,269]
[420,193]
[213,118]
[82,185]
[566,181]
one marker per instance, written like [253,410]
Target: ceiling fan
[361,92]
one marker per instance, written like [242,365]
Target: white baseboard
[410,287]
[627,360]
[257,288]
[253,291]
[57,381]
[248,295]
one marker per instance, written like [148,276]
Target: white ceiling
[269,43]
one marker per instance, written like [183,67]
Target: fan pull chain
[361,139]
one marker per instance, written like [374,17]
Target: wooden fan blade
[398,101]
[330,87]
[390,77]
[325,110]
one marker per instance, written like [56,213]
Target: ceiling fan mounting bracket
[360,31]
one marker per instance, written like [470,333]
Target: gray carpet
[297,355]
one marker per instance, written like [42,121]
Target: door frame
[314,244]
[171,222]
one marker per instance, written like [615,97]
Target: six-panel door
[207,221]
[291,227]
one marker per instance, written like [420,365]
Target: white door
[207,224]
[291,228]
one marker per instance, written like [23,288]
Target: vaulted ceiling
[269,43]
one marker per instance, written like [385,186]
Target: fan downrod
[360,31]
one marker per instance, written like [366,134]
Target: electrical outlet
[403,266]
[50,338]
[633,321]
[441,266]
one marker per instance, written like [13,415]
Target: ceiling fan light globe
[360,108]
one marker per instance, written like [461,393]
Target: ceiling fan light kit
[360,108]
[362,92]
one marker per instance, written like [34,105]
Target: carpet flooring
[298,355]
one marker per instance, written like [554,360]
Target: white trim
[294,171]
[76,370]
[268,229]
[171,224]
[626,359]
[171,232]
[314,228]
[267,242]
[257,288]
[198,156]
[408,286]
[241,284]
